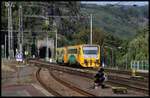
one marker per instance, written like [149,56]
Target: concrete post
[47,52]
[91,30]
[5,45]
[52,49]
[56,44]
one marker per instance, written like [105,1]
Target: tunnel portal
[42,53]
[41,47]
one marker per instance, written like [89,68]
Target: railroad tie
[120,90]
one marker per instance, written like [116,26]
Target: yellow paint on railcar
[89,62]
[74,54]
[66,55]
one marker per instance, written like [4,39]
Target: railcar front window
[90,51]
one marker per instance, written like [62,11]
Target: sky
[117,2]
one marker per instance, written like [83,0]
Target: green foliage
[140,45]
[135,48]
[63,42]
[47,27]
[110,51]
[69,26]
[122,21]
[110,25]
[83,37]
[111,40]
[98,36]
[143,31]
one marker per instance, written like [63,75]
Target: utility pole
[19,30]
[47,52]
[126,61]
[5,45]
[10,34]
[21,25]
[47,46]
[20,33]
[112,57]
[55,24]
[91,30]
[56,43]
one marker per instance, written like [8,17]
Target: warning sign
[19,57]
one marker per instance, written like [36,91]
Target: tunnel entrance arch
[41,46]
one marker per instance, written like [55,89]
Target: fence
[142,65]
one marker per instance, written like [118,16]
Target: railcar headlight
[85,61]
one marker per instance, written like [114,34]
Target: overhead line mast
[10,30]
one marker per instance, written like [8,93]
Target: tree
[83,37]
[98,37]
[135,48]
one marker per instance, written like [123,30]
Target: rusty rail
[72,87]
[119,81]
[45,86]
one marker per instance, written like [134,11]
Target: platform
[24,90]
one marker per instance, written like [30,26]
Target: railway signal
[19,56]
[103,64]
[133,70]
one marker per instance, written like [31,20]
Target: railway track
[72,87]
[128,86]
[45,86]
[146,75]
[120,82]
[106,70]
[55,93]
[140,83]
[128,83]
[122,72]
[115,81]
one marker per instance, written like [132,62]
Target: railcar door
[78,54]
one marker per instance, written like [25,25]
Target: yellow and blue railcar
[89,55]
[85,55]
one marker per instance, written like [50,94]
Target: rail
[45,86]
[113,80]
[71,86]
